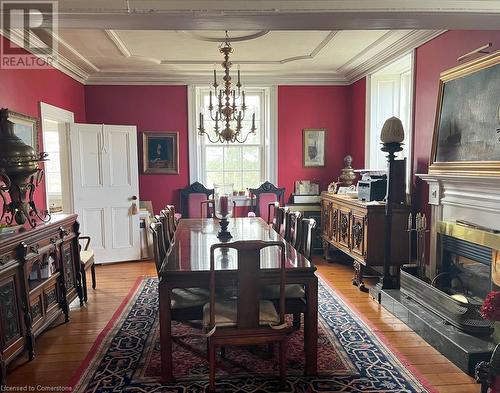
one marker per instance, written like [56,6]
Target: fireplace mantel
[461,197]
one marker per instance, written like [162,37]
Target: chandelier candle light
[226,112]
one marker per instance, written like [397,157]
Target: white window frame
[59,115]
[269,127]
[372,135]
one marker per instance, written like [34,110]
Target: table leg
[165,332]
[311,327]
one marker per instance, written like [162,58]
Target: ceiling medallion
[226,112]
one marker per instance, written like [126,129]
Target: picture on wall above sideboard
[160,152]
[313,141]
[468,113]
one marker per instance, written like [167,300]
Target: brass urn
[19,176]
[347,175]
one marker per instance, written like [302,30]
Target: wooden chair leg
[212,364]
[92,271]
[84,285]
[282,361]
[296,321]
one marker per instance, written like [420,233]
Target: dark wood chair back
[159,250]
[248,298]
[306,237]
[280,222]
[191,198]
[271,212]
[293,227]
[171,208]
[168,231]
[210,203]
[265,194]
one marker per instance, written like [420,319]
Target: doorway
[58,187]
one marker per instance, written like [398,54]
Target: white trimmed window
[390,94]
[245,165]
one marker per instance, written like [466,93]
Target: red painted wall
[22,90]
[150,108]
[357,107]
[302,107]
[432,58]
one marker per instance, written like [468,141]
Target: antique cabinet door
[105,183]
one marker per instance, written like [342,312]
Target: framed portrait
[25,128]
[160,152]
[313,147]
[467,127]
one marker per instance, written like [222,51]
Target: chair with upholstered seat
[264,195]
[186,303]
[294,293]
[248,319]
[191,198]
[87,261]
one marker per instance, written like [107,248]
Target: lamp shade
[392,131]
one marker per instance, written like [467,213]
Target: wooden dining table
[188,265]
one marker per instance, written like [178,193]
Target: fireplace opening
[465,269]
[466,272]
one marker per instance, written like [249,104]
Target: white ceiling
[160,56]
[291,41]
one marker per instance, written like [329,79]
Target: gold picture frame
[447,142]
[160,152]
[313,147]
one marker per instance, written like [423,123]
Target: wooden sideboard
[39,278]
[358,229]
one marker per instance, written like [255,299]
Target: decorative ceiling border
[90,76]
[131,78]
[122,47]
[201,37]
[62,63]
[408,42]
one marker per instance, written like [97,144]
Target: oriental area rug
[351,358]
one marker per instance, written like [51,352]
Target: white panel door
[105,181]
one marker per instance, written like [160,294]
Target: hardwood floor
[59,351]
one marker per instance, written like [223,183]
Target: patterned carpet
[351,358]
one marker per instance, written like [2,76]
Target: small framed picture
[160,152]
[25,128]
[313,141]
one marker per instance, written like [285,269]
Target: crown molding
[134,78]
[410,41]
[61,62]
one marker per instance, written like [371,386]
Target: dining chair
[295,295]
[265,194]
[87,261]
[292,228]
[186,304]
[306,237]
[191,198]
[168,234]
[248,319]
[280,224]
[271,208]
[211,207]
[175,216]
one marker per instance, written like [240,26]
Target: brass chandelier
[226,114]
